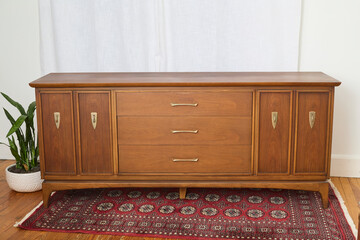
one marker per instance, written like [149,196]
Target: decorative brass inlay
[274,119]
[312,115]
[184,104]
[185,160]
[57,119]
[94,119]
[185,131]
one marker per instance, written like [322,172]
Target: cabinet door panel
[95,132]
[274,137]
[311,142]
[58,142]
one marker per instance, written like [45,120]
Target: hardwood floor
[14,206]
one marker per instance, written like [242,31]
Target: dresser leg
[182,192]
[324,191]
[46,191]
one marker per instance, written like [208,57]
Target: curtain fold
[169,35]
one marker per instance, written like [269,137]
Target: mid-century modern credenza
[185,130]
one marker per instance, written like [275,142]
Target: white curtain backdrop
[169,35]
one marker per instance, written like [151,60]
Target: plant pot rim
[14,164]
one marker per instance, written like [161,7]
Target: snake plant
[25,150]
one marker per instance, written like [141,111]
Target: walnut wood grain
[311,143]
[58,143]
[189,79]
[218,102]
[159,159]
[274,143]
[95,146]
[206,130]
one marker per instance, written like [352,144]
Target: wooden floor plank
[351,199]
[14,206]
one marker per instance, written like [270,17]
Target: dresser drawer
[188,159]
[172,102]
[184,130]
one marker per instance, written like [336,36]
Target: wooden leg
[46,191]
[324,191]
[182,192]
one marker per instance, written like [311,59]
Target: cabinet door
[94,128]
[58,151]
[312,123]
[274,132]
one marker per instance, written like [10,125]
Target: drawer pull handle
[184,104]
[312,115]
[185,160]
[274,119]
[185,131]
[93,119]
[57,119]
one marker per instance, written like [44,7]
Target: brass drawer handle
[57,119]
[185,131]
[93,119]
[185,159]
[274,119]
[184,104]
[312,115]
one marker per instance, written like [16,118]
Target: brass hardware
[94,119]
[185,131]
[185,160]
[274,119]
[57,119]
[184,104]
[312,115]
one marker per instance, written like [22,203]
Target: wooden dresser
[185,130]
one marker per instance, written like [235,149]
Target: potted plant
[24,175]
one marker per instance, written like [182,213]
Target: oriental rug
[204,214]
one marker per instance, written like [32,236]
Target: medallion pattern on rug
[204,214]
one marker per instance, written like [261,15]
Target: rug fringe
[17,224]
[345,210]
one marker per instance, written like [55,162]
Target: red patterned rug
[204,214]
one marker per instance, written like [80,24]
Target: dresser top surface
[184,79]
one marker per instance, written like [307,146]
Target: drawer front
[172,102]
[184,130]
[188,159]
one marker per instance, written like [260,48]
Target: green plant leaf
[30,114]
[14,150]
[31,108]
[4,144]
[36,155]
[8,115]
[16,125]
[19,133]
[14,103]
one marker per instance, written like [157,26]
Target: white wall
[330,42]
[19,57]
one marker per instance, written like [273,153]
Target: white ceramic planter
[24,182]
